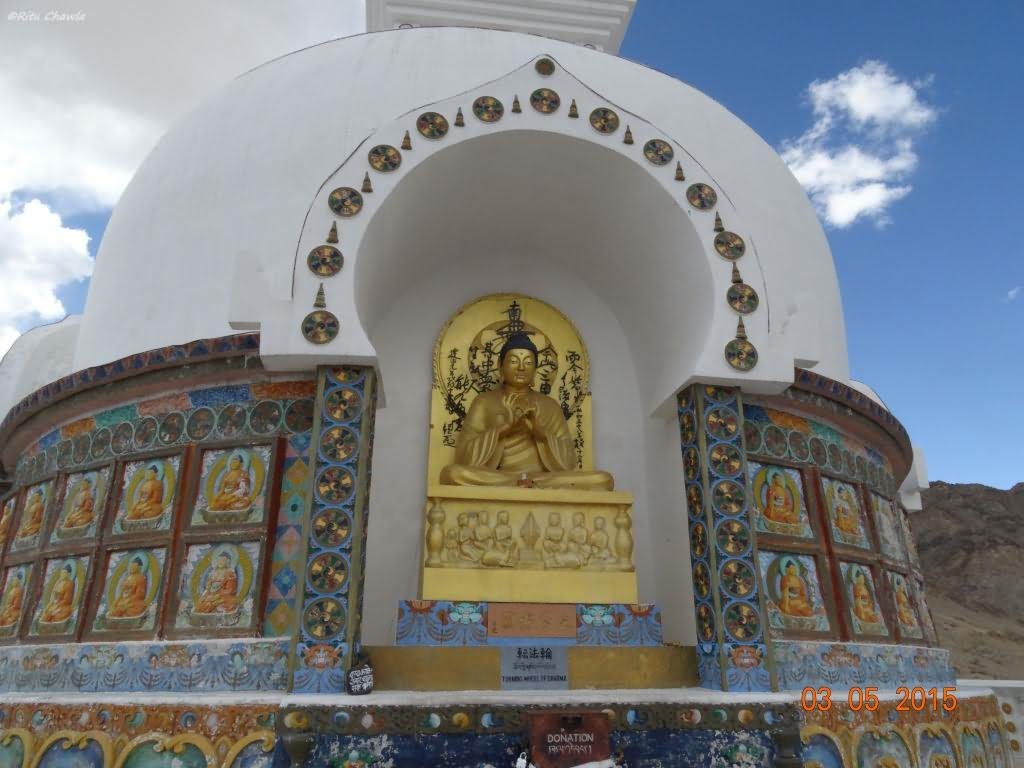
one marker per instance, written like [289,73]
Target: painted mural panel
[13,592]
[926,615]
[232,486]
[862,599]
[147,495]
[218,586]
[794,591]
[82,505]
[779,500]
[908,538]
[132,589]
[33,516]
[7,519]
[973,746]
[904,608]
[936,750]
[845,514]
[64,584]
[887,525]
[883,749]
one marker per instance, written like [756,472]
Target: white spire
[599,24]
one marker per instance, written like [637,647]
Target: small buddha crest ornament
[360,678]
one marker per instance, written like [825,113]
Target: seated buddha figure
[149,500]
[62,597]
[235,487]
[82,506]
[220,595]
[514,435]
[863,600]
[131,594]
[10,606]
[793,593]
[904,610]
[33,520]
[778,505]
[599,541]
[847,519]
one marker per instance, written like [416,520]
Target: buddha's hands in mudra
[519,417]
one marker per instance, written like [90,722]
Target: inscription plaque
[531,620]
[567,739]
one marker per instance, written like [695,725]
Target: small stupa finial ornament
[628,137]
[680,176]
[515,104]
[332,236]
[736,274]
[741,330]
[460,121]
[406,141]
[320,302]
[367,186]
[719,226]
[573,111]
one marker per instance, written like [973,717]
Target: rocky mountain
[971,542]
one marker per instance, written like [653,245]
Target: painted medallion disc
[545,100]
[742,298]
[320,326]
[741,354]
[488,109]
[384,158]
[701,196]
[604,120]
[658,152]
[345,201]
[432,125]
[325,261]
[730,245]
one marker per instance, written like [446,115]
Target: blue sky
[926,280]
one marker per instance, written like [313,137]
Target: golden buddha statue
[793,593]
[131,594]
[514,435]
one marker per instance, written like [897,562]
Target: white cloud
[38,254]
[857,157]
[84,101]
[1013,293]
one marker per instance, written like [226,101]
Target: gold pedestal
[528,545]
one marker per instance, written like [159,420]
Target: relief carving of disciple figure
[149,499]
[220,595]
[235,488]
[61,603]
[10,606]
[82,506]
[131,593]
[793,598]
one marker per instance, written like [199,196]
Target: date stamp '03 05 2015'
[915,699]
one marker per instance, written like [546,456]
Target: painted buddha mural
[131,594]
[514,435]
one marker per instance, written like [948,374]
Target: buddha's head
[503,517]
[518,361]
[236,462]
[555,519]
[483,517]
[598,523]
[463,519]
[135,566]
[577,519]
[224,561]
[473,517]
[791,569]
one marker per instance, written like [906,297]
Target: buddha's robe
[81,509]
[5,526]
[779,508]
[793,596]
[221,592]
[233,493]
[131,597]
[10,610]
[149,501]
[33,517]
[61,602]
[483,457]
[864,604]
[903,608]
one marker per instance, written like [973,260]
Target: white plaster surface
[36,358]
[233,184]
